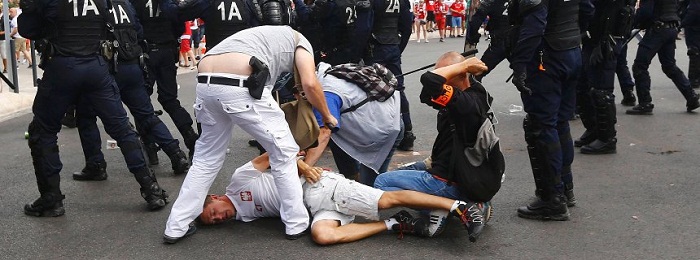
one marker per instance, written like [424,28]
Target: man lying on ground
[332,200]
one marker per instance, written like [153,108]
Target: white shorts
[3,49]
[335,197]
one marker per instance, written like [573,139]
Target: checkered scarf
[376,80]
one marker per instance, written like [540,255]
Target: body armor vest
[339,32]
[666,10]
[156,28]
[386,24]
[128,47]
[562,31]
[80,28]
[228,17]
[498,24]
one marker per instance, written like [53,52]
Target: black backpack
[478,167]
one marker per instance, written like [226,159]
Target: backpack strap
[356,106]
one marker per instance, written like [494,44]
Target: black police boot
[190,137]
[150,190]
[600,147]
[641,109]
[92,172]
[152,153]
[48,205]
[606,143]
[552,208]
[586,138]
[569,194]
[628,98]
[407,142]
[179,162]
[692,103]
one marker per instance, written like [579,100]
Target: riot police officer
[74,32]
[390,30]
[595,100]
[691,25]
[161,31]
[546,62]
[130,79]
[499,28]
[335,21]
[661,21]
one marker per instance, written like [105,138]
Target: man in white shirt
[20,42]
[332,200]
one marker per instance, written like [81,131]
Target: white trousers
[218,108]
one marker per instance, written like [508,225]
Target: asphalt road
[637,204]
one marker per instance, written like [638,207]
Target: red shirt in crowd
[457,8]
[429,5]
[419,11]
[440,10]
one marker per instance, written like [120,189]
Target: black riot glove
[256,81]
[519,76]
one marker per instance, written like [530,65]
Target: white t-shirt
[253,193]
[13,25]
[271,44]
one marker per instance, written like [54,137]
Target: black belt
[221,81]
[665,25]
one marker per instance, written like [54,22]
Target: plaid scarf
[376,80]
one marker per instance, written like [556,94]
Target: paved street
[640,203]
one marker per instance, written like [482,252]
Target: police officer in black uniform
[691,25]
[335,20]
[390,30]
[231,17]
[73,33]
[499,28]
[624,77]
[546,62]
[661,21]
[130,79]
[595,100]
[161,30]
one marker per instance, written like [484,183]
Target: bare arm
[312,174]
[471,65]
[312,87]
[314,154]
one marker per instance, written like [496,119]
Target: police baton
[465,54]
[632,37]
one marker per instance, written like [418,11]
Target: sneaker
[437,221]
[641,109]
[442,40]
[409,225]
[472,217]
[418,41]
[172,240]
[426,41]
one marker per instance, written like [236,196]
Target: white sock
[390,223]
[456,204]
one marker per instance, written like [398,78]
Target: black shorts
[431,16]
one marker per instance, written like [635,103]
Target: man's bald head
[449,58]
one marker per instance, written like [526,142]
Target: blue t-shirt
[334,104]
